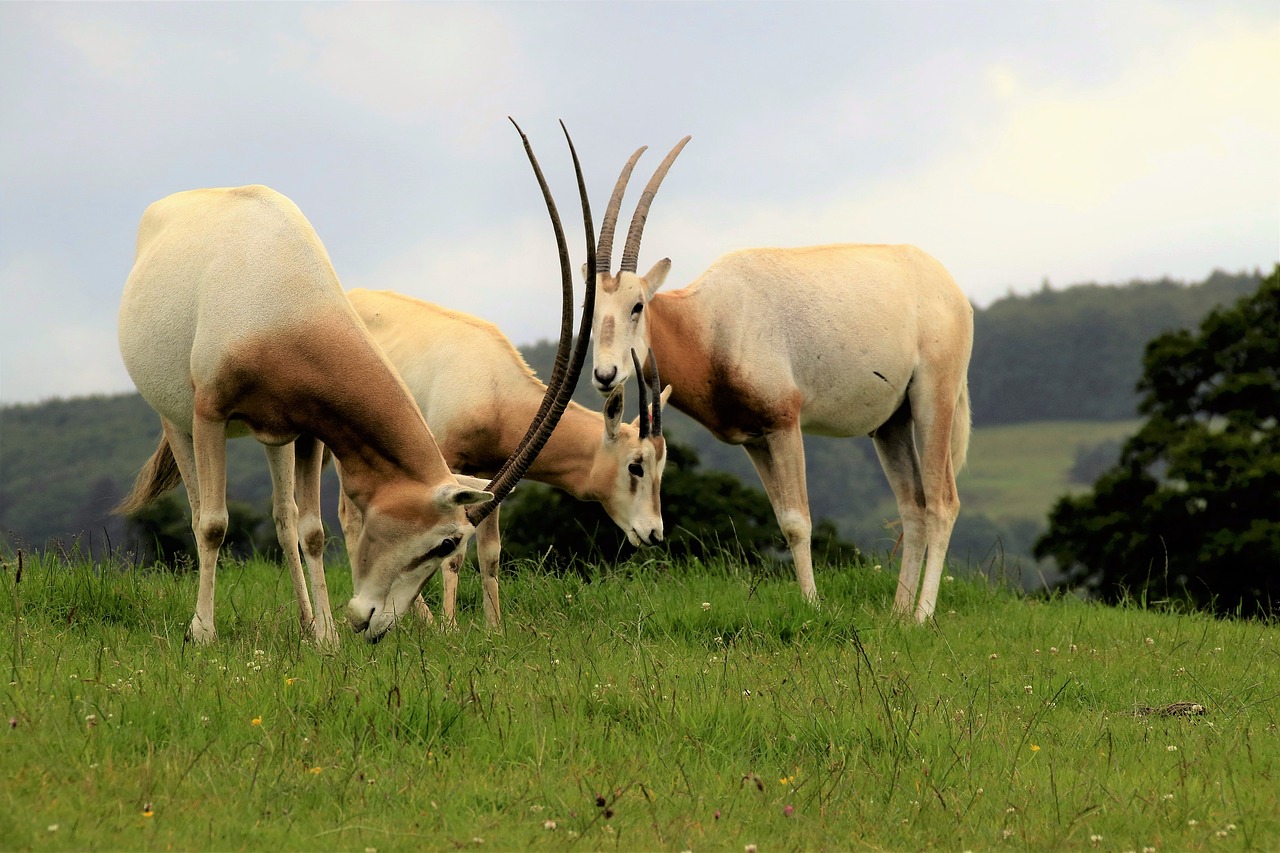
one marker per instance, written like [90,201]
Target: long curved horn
[605,251]
[657,396]
[645,420]
[564,376]
[631,252]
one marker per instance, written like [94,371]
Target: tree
[162,532]
[1191,512]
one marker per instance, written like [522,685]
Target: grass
[1019,470]
[655,707]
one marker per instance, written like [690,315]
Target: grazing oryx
[833,340]
[475,391]
[233,322]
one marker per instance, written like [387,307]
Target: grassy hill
[1018,471]
[653,707]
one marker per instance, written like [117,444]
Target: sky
[1017,142]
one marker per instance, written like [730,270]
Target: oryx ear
[585,270]
[656,277]
[613,413]
[450,496]
[666,392]
[471,482]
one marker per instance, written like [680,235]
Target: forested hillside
[1076,354]
[1061,355]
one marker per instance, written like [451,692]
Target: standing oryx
[233,322]
[476,391]
[835,340]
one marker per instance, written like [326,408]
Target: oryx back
[216,271]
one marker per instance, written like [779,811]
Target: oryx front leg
[284,511]
[309,454]
[449,578]
[488,553]
[779,460]
[208,443]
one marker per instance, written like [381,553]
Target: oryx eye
[636,309]
[636,469]
[444,549]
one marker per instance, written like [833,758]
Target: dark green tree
[162,532]
[1191,512]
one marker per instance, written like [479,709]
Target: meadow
[1018,471]
[650,707]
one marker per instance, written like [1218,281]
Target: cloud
[1089,141]
[1209,105]
[75,354]
[1166,166]
[508,276]
[453,65]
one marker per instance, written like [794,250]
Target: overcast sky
[1015,141]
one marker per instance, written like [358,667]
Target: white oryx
[835,340]
[233,322]
[476,392]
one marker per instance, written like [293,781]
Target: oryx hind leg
[942,503]
[896,447]
[184,455]
[778,458]
[206,450]
[284,511]
[309,456]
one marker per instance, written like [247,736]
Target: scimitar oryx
[837,340]
[233,322]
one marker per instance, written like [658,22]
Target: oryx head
[631,461]
[403,539]
[621,298]
[409,530]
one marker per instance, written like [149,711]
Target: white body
[835,340]
[477,395]
[233,322]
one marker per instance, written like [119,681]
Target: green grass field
[653,708]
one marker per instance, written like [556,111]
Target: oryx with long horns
[472,387]
[233,322]
[836,340]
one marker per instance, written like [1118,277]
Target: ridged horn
[657,396]
[631,252]
[645,420]
[564,376]
[604,254]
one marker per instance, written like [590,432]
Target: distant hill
[1076,354]
[1060,355]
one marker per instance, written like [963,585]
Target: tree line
[1070,354]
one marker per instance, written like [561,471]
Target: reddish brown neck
[679,341]
[705,385]
[565,462]
[333,385]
